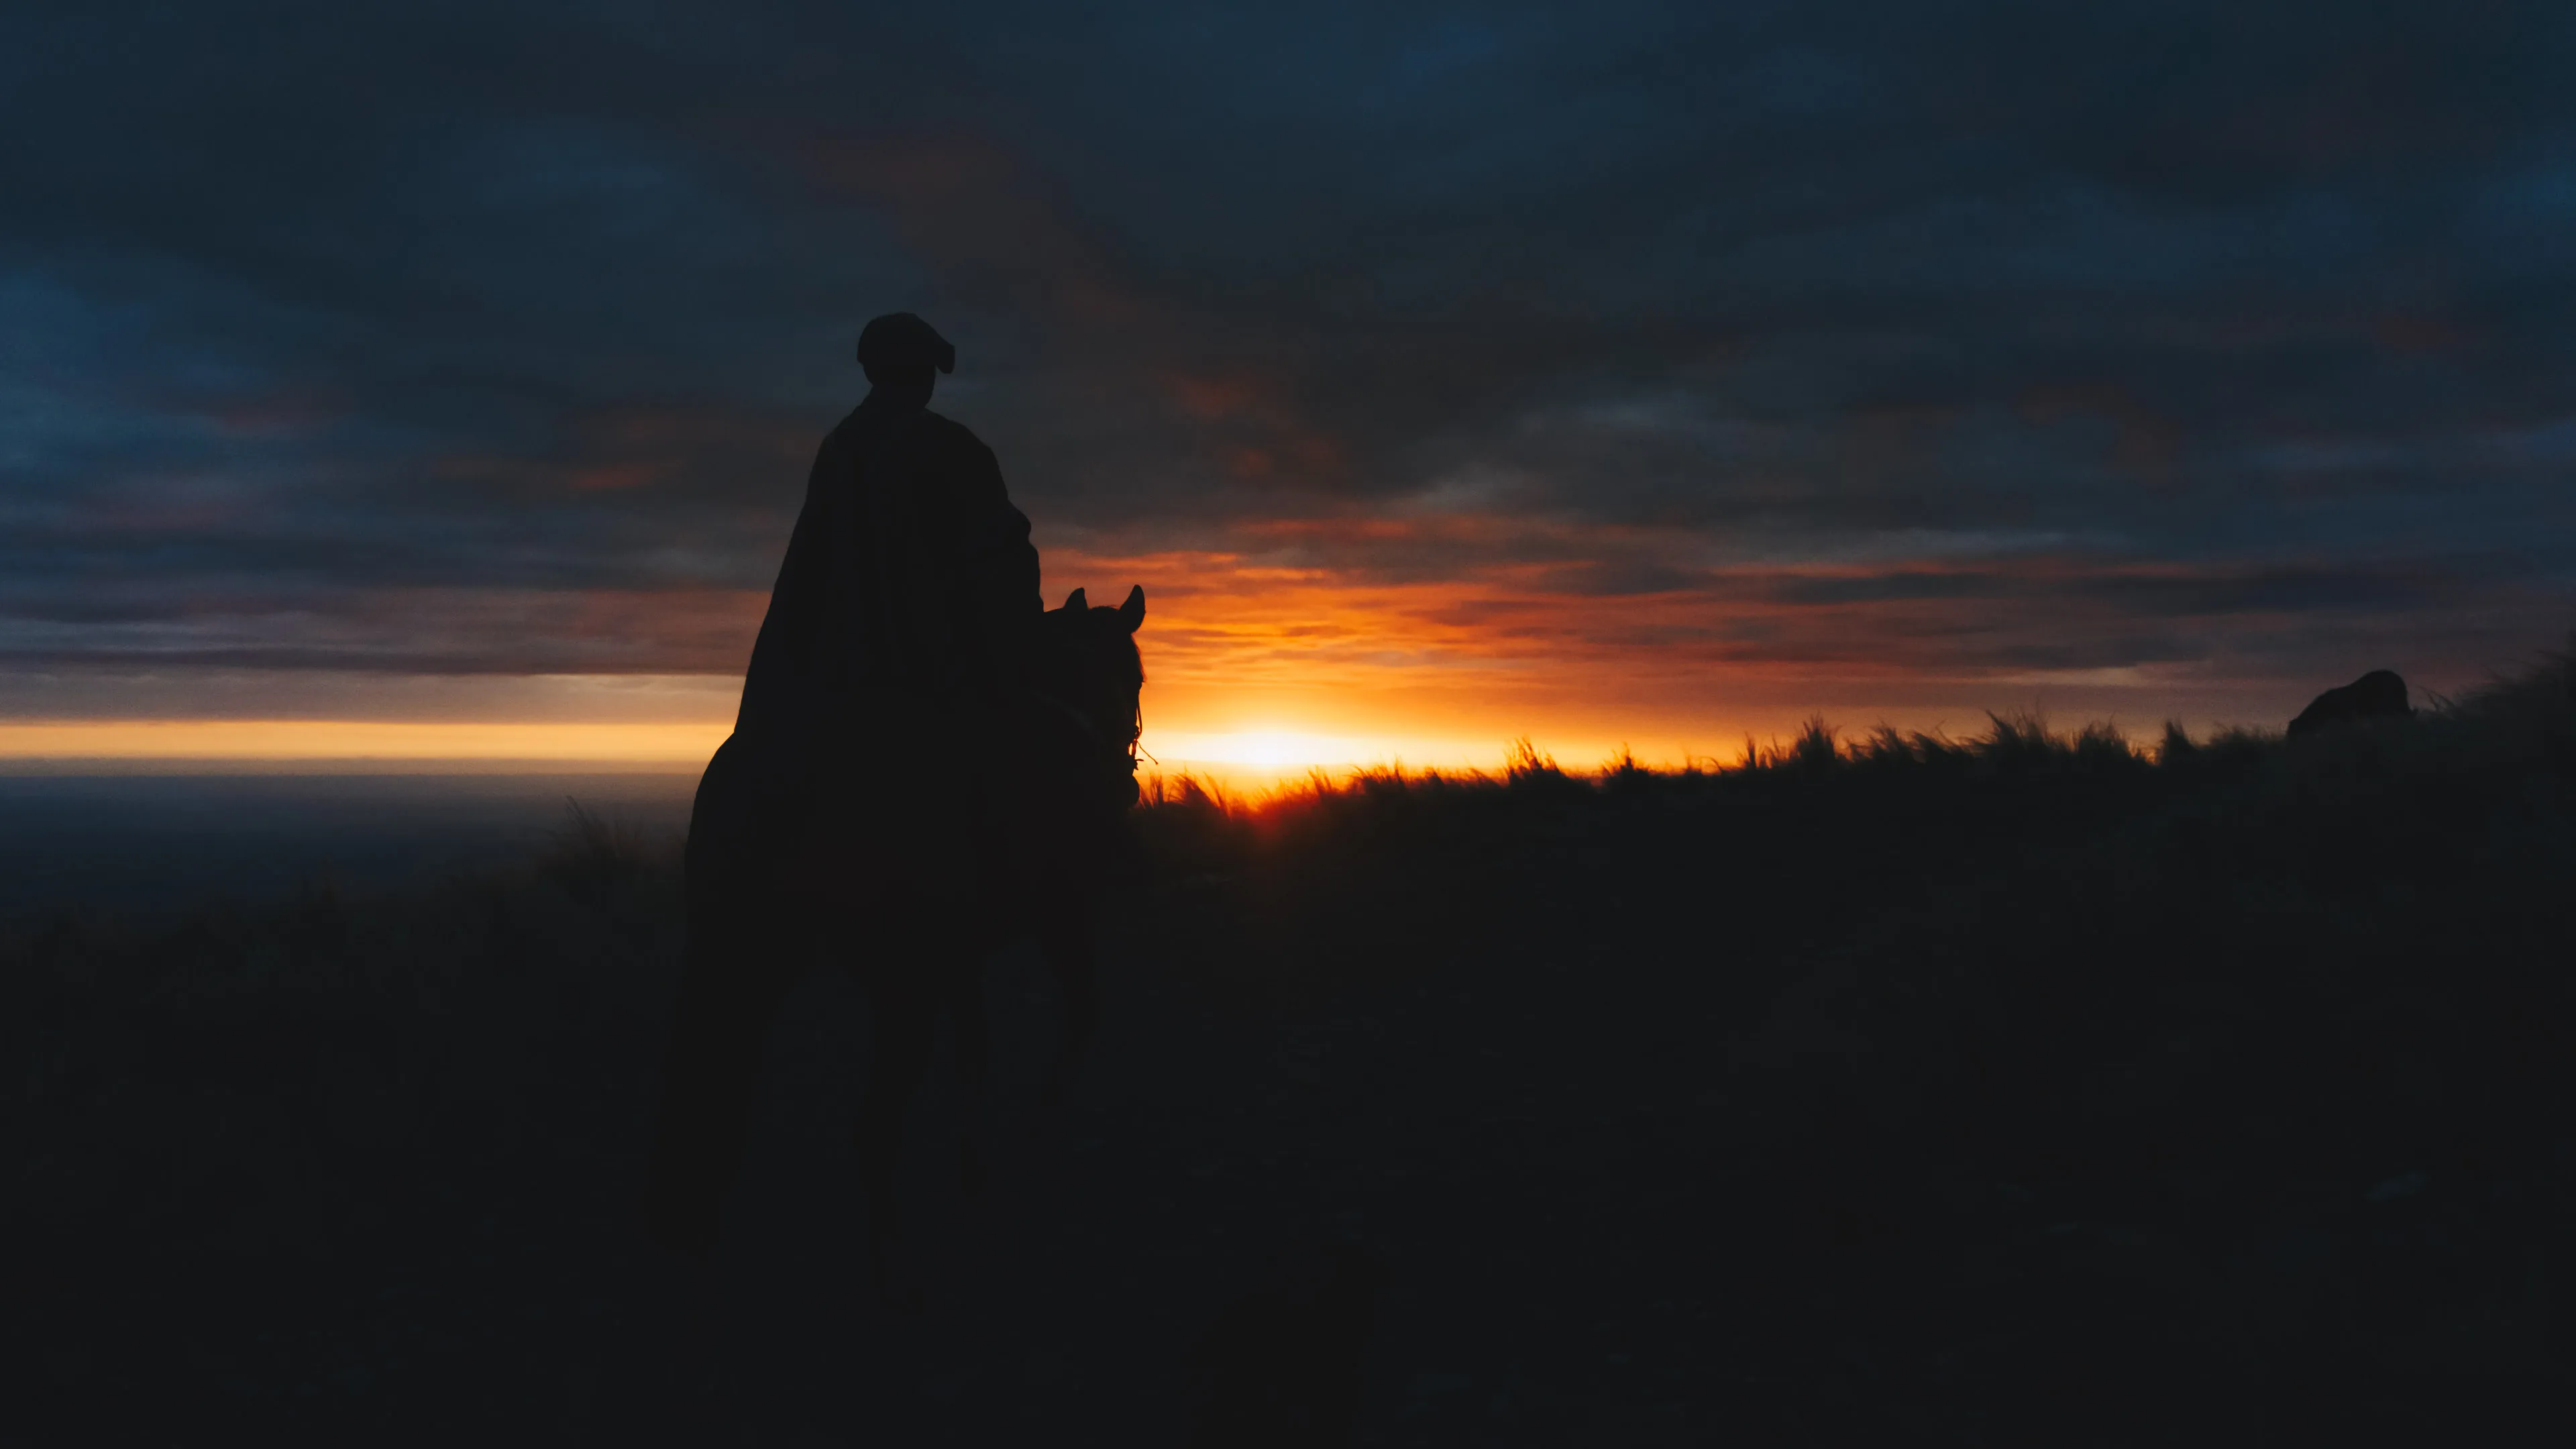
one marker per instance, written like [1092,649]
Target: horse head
[1088,666]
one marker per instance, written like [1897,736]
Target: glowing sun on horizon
[1274,747]
[1263,748]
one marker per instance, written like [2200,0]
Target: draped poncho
[909,589]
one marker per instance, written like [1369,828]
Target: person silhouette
[903,623]
[908,599]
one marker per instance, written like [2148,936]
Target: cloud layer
[1537,362]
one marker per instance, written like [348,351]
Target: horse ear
[1132,612]
[1076,602]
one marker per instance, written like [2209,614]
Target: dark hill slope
[2029,1089]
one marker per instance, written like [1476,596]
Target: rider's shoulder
[925,436]
[951,432]
[853,423]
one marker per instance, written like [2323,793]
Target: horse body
[859,857]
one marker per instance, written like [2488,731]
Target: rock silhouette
[2380,694]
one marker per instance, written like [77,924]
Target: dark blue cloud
[303,310]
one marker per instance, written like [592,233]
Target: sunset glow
[1932,409]
[1259,672]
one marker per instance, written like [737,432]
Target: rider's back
[909,591]
[898,636]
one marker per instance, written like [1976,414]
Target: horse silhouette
[871,866]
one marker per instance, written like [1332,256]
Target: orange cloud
[1210,399]
[1246,658]
[611,476]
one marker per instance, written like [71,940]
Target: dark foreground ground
[2022,1092]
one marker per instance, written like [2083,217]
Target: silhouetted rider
[866,780]
[899,633]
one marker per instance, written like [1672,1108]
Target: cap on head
[900,339]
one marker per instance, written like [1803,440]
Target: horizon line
[378,747]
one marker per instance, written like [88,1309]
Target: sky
[442,381]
